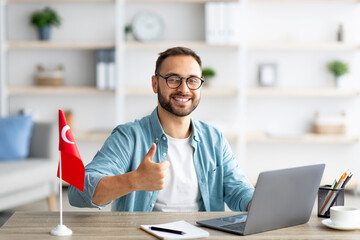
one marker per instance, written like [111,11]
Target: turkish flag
[73,170]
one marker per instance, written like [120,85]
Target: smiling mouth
[181,99]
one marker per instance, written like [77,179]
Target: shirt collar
[159,132]
[195,131]
[156,126]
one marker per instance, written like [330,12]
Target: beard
[180,111]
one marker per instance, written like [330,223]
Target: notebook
[190,231]
[282,198]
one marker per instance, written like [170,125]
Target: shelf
[191,44]
[251,138]
[45,90]
[230,137]
[134,91]
[173,1]
[306,138]
[180,1]
[325,46]
[59,45]
[301,92]
[61,1]
[128,1]
[352,185]
[206,91]
[164,45]
[103,135]
[100,136]
[285,1]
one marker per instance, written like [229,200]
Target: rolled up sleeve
[238,191]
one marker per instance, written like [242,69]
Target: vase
[44,33]
[339,82]
[208,81]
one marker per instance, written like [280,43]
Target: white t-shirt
[181,191]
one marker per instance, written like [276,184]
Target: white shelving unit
[299,46]
[123,97]
[233,90]
[168,44]
[304,89]
[76,53]
[309,138]
[303,92]
[57,91]
[59,45]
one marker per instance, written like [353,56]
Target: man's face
[180,101]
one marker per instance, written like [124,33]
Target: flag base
[61,230]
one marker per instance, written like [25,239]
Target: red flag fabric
[73,170]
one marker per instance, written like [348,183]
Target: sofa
[33,178]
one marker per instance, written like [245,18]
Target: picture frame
[267,74]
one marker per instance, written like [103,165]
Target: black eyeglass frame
[181,78]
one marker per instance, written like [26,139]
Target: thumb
[166,164]
[151,152]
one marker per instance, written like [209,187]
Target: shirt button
[152,205]
[164,138]
[156,139]
[164,154]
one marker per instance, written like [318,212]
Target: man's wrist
[132,178]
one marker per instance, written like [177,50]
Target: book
[190,231]
[105,69]
[222,23]
[111,70]
[101,78]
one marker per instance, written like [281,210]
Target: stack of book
[222,23]
[105,69]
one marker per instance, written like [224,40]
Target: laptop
[282,198]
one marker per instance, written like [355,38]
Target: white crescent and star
[63,134]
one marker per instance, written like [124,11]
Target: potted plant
[338,69]
[128,32]
[43,20]
[208,73]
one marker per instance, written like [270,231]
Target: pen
[347,180]
[167,230]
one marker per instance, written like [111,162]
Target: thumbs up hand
[151,176]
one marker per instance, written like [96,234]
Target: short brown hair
[176,51]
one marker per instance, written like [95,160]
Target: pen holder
[335,196]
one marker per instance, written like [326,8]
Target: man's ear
[154,83]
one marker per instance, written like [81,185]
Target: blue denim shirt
[219,176]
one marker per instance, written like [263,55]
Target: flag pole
[61,229]
[60,192]
[69,154]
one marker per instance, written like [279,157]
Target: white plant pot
[339,82]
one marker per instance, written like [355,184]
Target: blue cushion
[15,135]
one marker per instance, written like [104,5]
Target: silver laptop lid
[283,198]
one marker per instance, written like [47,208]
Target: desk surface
[125,225]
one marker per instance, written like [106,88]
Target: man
[189,167]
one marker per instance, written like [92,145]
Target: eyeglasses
[174,81]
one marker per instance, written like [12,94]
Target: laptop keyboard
[236,226]
[235,219]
